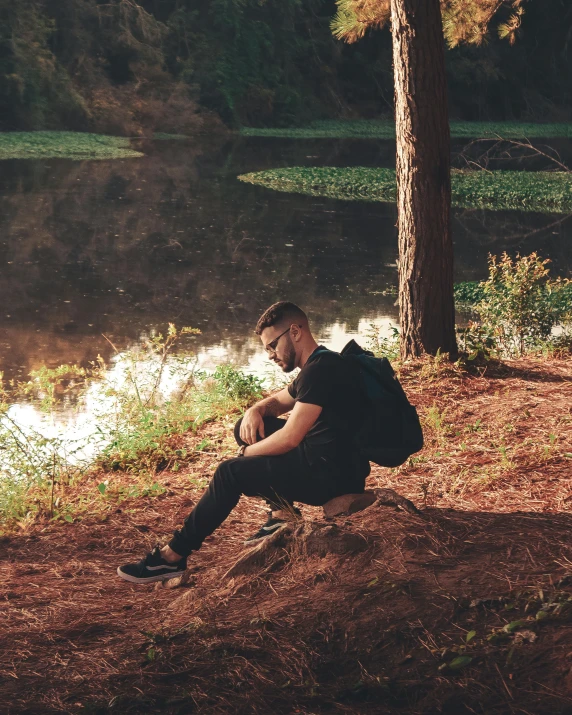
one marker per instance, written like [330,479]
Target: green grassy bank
[385,129]
[64,145]
[137,427]
[519,190]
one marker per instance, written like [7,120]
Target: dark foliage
[127,67]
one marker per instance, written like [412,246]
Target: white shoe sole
[149,579]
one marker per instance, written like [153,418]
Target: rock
[348,504]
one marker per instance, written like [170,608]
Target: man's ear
[296,332]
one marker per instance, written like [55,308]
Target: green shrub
[236,384]
[384,345]
[468,294]
[519,308]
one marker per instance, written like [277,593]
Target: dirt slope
[467,609]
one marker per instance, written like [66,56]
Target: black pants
[281,480]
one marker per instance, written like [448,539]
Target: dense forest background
[126,67]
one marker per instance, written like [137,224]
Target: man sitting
[308,458]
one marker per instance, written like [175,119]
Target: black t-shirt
[329,381]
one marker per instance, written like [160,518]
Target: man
[308,458]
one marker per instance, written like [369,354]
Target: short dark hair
[280,312]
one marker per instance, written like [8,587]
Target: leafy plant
[468,293]
[49,386]
[236,384]
[520,304]
[476,340]
[384,345]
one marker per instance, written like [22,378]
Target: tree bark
[427,311]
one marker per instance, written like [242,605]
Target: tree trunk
[427,311]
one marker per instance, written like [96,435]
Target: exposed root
[389,497]
[305,540]
[267,553]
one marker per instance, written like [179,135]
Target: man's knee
[241,475]
[225,474]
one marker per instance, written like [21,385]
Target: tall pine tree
[419,28]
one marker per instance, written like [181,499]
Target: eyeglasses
[271,347]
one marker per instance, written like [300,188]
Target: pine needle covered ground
[385,129]
[467,609]
[520,190]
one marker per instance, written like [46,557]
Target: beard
[289,359]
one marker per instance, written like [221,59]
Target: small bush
[382,345]
[519,308]
[468,294]
[236,384]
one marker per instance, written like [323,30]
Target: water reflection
[80,430]
[117,248]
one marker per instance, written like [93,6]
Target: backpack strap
[320,351]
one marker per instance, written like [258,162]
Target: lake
[120,248]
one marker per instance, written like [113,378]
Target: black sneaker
[152,568]
[271,526]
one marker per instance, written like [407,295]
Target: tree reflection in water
[119,247]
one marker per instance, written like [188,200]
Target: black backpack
[390,432]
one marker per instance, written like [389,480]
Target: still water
[120,248]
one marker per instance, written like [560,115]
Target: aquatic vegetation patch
[166,137]
[519,190]
[64,145]
[385,129]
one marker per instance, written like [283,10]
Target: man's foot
[271,526]
[152,568]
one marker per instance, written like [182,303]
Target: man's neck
[306,352]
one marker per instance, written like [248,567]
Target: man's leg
[286,477]
[280,480]
[271,425]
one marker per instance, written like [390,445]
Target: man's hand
[252,425]
[253,420]
[299,423]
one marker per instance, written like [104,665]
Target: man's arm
[303,416]
[253,420]
[276,404]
